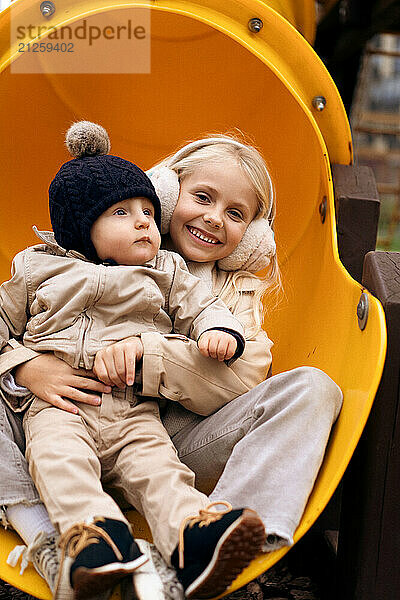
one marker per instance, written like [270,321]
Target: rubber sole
[241,542]
[63,589]
[89,583]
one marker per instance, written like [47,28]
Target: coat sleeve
[14,310]
[173,367]
[193,308]
[14,302]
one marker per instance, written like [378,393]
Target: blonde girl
[253,441]
[256,249]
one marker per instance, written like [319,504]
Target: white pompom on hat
[85,138]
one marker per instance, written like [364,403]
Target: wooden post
[357,213]
[369,538]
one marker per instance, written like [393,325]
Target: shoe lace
[203,519]
[80,535]
[45,560]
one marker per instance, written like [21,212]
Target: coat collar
[48,238]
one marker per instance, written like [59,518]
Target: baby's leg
[213,546]
[98,547]
[150,476]
[64,465]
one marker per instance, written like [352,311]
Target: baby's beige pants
[121,445]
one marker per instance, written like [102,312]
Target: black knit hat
[89,184]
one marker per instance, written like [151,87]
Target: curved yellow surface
[210,73]
[299,13]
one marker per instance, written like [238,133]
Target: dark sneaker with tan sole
[103,551]
[215,547]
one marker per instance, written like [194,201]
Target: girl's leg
[29,520]
[21,502]
[16,485]
[264,449]
[22,508]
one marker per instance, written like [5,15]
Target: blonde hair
[218,147]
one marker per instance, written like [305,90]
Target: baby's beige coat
[60,302]
[174,369]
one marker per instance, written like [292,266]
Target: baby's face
[127,232]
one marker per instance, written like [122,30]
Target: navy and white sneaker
[214,547]
[44,555]
[155,580]
[101,552]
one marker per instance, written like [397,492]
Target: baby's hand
[217,344]
[116,364]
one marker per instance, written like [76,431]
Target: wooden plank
[369,541]
[357,213]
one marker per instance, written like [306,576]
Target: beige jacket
[173,367]
[60,302]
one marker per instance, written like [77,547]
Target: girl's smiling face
[216,204]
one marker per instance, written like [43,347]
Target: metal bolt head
[362,311]
[319,103]
[344,11]
[255,25]
[47,8]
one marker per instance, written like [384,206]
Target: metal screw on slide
[47,9]
[319,102]
[255,25]
[362,311]
[344,11]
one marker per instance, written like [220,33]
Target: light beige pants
[120,444]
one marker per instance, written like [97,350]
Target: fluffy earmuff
[257,246]
[255,249]
[166,184]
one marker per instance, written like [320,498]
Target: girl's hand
[116,364]
[217,344]
[55,381]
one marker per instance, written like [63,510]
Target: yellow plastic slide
[214,66]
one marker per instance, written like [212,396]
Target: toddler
[97,284]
